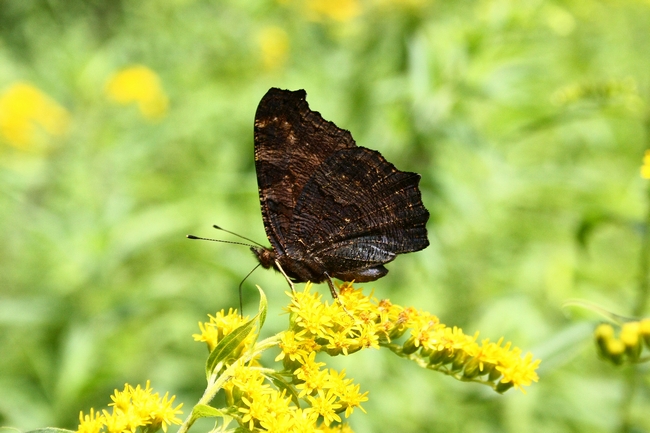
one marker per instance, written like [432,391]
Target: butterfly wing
[291,142]
[357,211]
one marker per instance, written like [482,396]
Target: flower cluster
[263,407]
[306,397]
[627,346]
[220,325]
[25,111]
[141,85]
[132,408]
[449,350]
[358,322]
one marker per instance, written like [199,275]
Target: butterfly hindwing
[358,211]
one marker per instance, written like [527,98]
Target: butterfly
[331,209]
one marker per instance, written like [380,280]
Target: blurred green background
[527,120]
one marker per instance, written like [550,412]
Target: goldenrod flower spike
[321,326]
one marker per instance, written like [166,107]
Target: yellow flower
[23,110]
[325,405]
[356,322]
[311,376]
[91,423]
[351,398]
[132,408]
[627,346]
[295,348]
[141,85]
[274,47]
[220,325]
[338,10]
[645,168]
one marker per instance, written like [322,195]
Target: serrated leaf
[228,345]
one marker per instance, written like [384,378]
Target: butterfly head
[266,256]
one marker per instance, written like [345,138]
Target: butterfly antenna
[216,240]
[238,235]
[241,303]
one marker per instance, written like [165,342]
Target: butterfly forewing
[330,208]
[291,142]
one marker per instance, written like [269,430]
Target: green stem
[644,268]
[629,389]
[215,383]
[632,376]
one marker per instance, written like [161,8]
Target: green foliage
[527,120]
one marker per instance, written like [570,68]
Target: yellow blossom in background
[645,168]
[139,84]
[338,10]
[24,110]
[274,47]
[409,4]
[628,346]
[132,408]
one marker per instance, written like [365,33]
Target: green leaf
[228,345]
[205,411]
[264,305]
[279,381]
[46,430]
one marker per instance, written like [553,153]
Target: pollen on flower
[132,408]
[25,111]
[139,84]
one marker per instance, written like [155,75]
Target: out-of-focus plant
[139,84]
[26,112]
[628,345]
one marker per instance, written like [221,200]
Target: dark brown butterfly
[330,208]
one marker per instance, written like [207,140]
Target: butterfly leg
[293,288]
[333,291]
[335,294]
